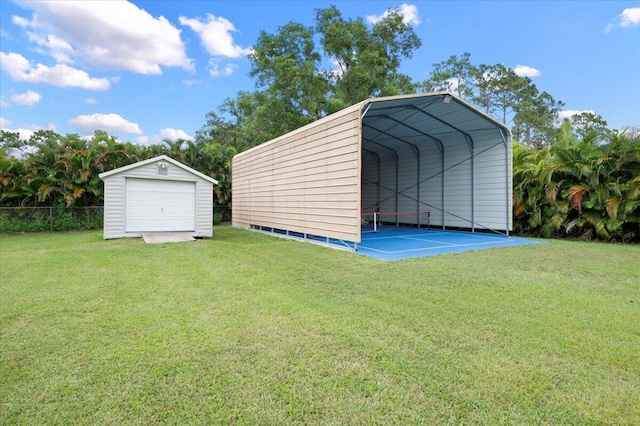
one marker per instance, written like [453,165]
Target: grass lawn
[245,328]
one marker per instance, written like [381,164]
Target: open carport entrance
[434,160]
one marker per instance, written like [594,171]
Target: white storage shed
[410,154]
[157,195]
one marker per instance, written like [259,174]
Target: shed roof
[157,159]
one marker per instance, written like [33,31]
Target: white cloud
[110,123]
[25,132]
[216,71]
[191,82]
[61,75]
[3,102]
[110,35]
[409,11]
[173,134]
[58,48]
[167,133]
[630,17]
[4,122]
[452,85]
[90,101]
[215,35]
[567,114]
[525,71]
[20,153]
[27,98]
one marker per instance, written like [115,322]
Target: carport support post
[396,157]
[442,188]
[473,175]
[506,141]
[418,198]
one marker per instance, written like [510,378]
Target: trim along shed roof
[157,159]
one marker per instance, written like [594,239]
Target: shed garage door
[160,205]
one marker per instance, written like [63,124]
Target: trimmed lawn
[245,328]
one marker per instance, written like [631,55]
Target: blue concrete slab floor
[403,243]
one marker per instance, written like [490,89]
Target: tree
[366,60]
[456,75]
[285,66]
[591,127]
[500,91]
[497,90]
[15,189]
[535,117]
[10,140]
[578,188]
[299,80]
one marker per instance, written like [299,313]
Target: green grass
[249,329]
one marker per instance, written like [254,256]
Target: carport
[420,160]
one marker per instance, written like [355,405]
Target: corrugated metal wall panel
[431,182]
[389,186]
[370,182]
[491,194]
[457,185]
[307,181]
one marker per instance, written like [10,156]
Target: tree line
[52,170]
[579,179]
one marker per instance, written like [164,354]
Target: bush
[47,219]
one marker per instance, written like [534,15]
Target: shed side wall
[307,181]
[204,209]
[113,226]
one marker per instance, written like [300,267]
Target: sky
[148,70]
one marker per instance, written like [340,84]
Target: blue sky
[148,70]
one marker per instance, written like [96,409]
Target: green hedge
[41,219]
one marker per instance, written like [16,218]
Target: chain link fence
[221,214]
[39,219]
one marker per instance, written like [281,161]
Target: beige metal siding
[307,181]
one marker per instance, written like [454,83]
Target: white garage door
[160,205]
